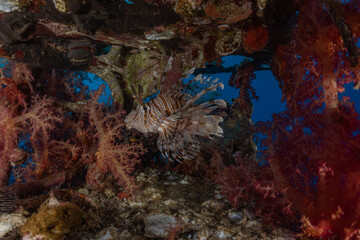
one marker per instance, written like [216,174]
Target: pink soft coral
[113,154]
[36,119]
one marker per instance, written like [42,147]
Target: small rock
[213,204]
[253,225]
[137,204]
[249,214]
[153,193]
[170,202]
[153,178]
[109,233]
[141,177]
[155,196]
[221,234]
[9,222]
[159,225]
[126,235]
[172,177]
[181,200]
[236,217]
[185,219]
[206,203]
[109,193]
[202,235]
[184,181]
[218,196]
[205,212]
[151,190]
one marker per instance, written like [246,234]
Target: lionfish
[178,117]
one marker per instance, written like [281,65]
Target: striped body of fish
[178,119]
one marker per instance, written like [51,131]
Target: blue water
[94,82]
[265,85]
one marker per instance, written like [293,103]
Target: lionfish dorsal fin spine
[199,95]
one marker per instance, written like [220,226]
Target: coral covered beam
[336,12]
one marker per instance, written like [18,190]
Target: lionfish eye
[145,108]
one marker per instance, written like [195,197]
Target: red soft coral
[313,147]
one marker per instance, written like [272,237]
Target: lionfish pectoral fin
[178,146]
[166,142]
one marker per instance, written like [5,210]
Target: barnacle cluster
[228,11]
[188,9]
[228,42]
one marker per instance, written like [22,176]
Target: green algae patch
[143,72]
[54,221]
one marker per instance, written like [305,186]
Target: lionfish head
[140,119]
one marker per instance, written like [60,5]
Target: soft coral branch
[36,119]
[112,154]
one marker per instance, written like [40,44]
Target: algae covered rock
[55,220]
[10,221]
